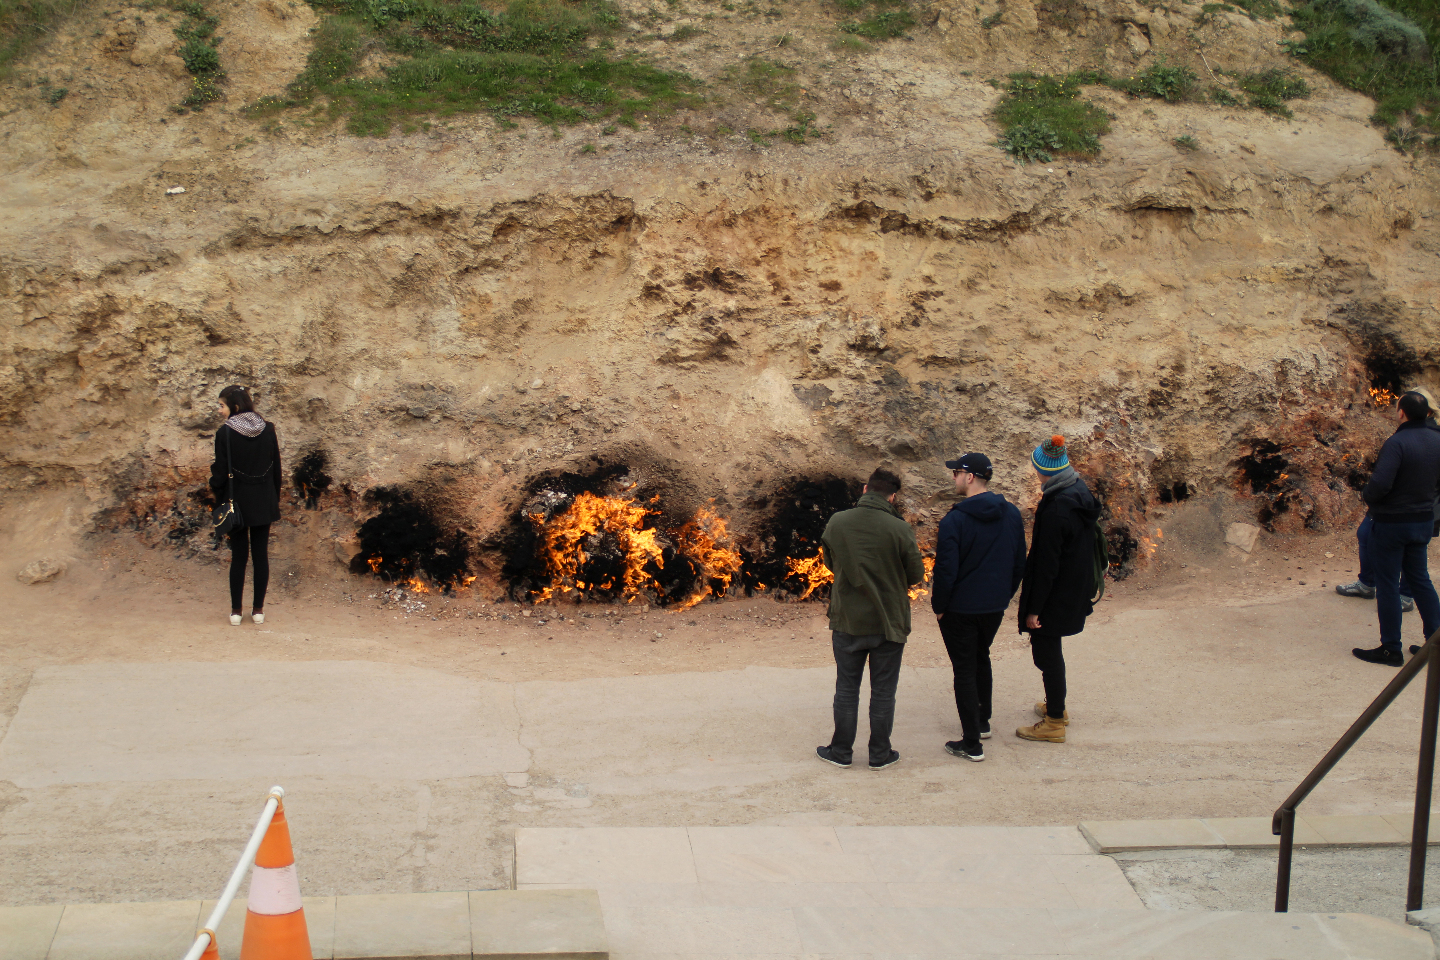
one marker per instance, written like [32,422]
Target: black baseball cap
[976,463]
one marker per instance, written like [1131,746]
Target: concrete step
[920,892]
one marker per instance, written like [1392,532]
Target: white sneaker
[258,618]
[234,619]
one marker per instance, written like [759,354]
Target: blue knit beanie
[1050,457]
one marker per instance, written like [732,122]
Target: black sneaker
[957,748]
[1386,658]
[985,732]
[1407,604]
[889,761]
[828,755]
[1414,649]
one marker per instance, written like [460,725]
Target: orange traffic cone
[212,952]
[274,917]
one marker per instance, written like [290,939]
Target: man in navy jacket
[979,563]
[1401,494]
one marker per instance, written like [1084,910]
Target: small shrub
[1032,140]
[801,128]
[993,21]
[882,26]
[203,90]
[1186,142]
[53,95]
[1379,29]
[683,33]
[200,58]
[1270,89]
[1160,82]
[1225,97]
[588,148]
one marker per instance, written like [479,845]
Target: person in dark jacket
[979,562]
[1401,494]
[247,458]
[1059,588]
[872,552]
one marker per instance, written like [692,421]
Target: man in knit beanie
[1060,583]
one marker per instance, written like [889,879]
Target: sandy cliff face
[486,306]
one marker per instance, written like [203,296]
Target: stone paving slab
[1117,836]
[493,924]
[26,932]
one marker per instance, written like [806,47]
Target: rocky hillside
[471,301]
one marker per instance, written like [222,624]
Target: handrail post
[1287,849]
[1424,781]
[206,936]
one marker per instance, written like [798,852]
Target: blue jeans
[1396,550]
[1367,566]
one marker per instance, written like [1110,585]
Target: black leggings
[1045,650]
[253,542]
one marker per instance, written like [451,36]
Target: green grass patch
[25,24]
[200,52]
[886,19]
[537,58]
[1270,89]
[1385,51]
[1044,116]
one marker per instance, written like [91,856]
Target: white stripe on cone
[274,891]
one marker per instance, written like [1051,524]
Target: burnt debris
[793,519]
[406,539]
[312,477]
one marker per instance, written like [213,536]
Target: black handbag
[226,517]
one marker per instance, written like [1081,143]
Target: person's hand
[1032,622]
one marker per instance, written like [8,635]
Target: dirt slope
[475,306]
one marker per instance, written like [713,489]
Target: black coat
[1059,583]
[1404,485]
[257,474]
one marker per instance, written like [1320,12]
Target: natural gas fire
[811,572]
[598,528]
[1382,397]
[707,543]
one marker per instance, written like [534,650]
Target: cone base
[283,937]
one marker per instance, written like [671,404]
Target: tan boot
[1048,729]
[1040,712]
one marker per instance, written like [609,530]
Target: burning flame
[416,585]
[812,572]
[1382,397]
[920,589]
[705,541]
[567,539]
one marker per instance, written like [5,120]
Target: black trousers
[1045,651]
[967,639]
[252,542]
[884,678]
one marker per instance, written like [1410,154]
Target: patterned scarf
[249,424]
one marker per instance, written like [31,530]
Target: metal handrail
[1283,823]
[203,938]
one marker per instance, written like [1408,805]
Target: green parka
[875,559]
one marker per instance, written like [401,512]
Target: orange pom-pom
[1057,441]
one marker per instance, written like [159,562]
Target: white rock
[41,571]
[1242,535]
[174,190]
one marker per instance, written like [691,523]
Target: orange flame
[416,585]
[564,544]
[1382,397]
[921,589]
[812,572]
[707,543]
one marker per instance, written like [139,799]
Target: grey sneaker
[1356,589]
[1406,603]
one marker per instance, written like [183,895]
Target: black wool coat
[257,474]
[1059,584]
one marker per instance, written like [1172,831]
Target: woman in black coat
[247,455]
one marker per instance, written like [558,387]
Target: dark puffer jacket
[979,556]
[257,474]
[1059,583]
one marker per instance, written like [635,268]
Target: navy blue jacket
[1404,485]
[979,556]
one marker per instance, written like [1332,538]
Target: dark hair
[883,482]
[1414,406]
[237,398]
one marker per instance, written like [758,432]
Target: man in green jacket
[875,559]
